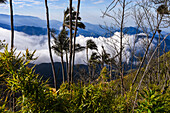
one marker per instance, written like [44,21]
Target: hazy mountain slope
[30,30]
[35,26]
[45,70]
[20,20]
[151,73]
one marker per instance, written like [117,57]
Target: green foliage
[66,21]
[29,56]
[94,98]
[61,42]
[88,99]
[105,57]
[103,75]
[2,45]
[91,45]
[35,96]
[9,63]
[163,9]
[152,102]
[94,58]
[3,109]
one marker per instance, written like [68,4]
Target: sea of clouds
[23,41]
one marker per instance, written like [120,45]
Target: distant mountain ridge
[35,26]
[20,20]
[30,30]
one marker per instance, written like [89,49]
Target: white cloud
[53,0]
[23,3]
[77,0]
[98,2]
[4,6]
[39,43]
[53,6]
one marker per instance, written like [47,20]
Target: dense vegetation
[32,94]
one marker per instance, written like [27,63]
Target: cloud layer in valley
[39,43]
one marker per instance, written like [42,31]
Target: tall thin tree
[12,42]
[121,45]
[49,45]
[159,32]
[12,24]
[70,45]
[74,43]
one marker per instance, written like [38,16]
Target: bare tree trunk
[146,69]
[146,52]
[165,86]
[93,72]
[70,46]
[67,66]
[12,25]
[63,70]
[13,101]
[75,33]
[102,64]
[87,55]
[49,46]
[165,66]
[121,48]
[133,53]
[12,45]
[110,71]
[159,31]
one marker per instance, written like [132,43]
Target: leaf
[142,95]
[149,111]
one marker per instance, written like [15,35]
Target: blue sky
[90,10]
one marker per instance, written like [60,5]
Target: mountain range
[35,26]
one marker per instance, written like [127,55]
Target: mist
[23,41]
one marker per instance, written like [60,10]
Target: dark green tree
[70,21]
[98,58]
[60,47]
[90,44]
[66,21]
[3,1]
[93,62]
[105,57]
